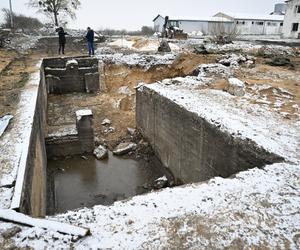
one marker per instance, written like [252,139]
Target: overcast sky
[133,14]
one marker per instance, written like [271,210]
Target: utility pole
[11,16]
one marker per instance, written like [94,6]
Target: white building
[245,24]
[255,24]
[191,24]
[291,26]
[158,23]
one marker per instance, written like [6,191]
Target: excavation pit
[78,182]
[187,144]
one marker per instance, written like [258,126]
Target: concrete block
[92,84]
[85,128]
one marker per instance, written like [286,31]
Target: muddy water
[85,183]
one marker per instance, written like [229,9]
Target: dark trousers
[91,48]
[61,48]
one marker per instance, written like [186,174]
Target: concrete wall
[253,27]
[73,144]
[30,189]
[189,146]
[291,16]
[68,75]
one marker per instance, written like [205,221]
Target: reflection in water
[85,183]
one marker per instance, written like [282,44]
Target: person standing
[61,39]
[90,41]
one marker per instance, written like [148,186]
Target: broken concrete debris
[106,122]
[213,69]
[164,46]
[13,216]
[101,153]
[160,182]
[124,148]
[109,130]
[11,232]
[236,87]
[201,50]
[4,121]
[131,131]
[235,60]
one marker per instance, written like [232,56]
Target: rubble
[124,148]
[213,70]
[4,121]
[101,153]
[109,130]
[11,232]
[161,182]
[234,60]
[106,122]
[236,87]
[131,131]
[201,50]
[164,46]
[136,59]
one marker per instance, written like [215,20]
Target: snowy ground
[258,208]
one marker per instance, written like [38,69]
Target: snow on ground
[257,208]
[135,59]
[141,44]
[247,47]
[122,43]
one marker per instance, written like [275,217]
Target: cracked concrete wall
[192,148]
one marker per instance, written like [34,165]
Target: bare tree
[22,22]
[54,8]
[223,32]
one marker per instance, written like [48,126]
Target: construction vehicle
[172,31]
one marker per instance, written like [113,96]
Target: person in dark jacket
[61,39]
[90,41]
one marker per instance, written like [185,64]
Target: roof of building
[157,17]
[253,17]
[199,19]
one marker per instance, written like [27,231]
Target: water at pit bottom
[85,183]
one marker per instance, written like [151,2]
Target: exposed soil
[117,98]
[114,103]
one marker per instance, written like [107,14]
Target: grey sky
[132,14]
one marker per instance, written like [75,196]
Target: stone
[109,130]
[164,46]
[161,182]
[101,153]
[201,50]
[106,122]
[124,148]
[131,131]
[236,87]
[11,232]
